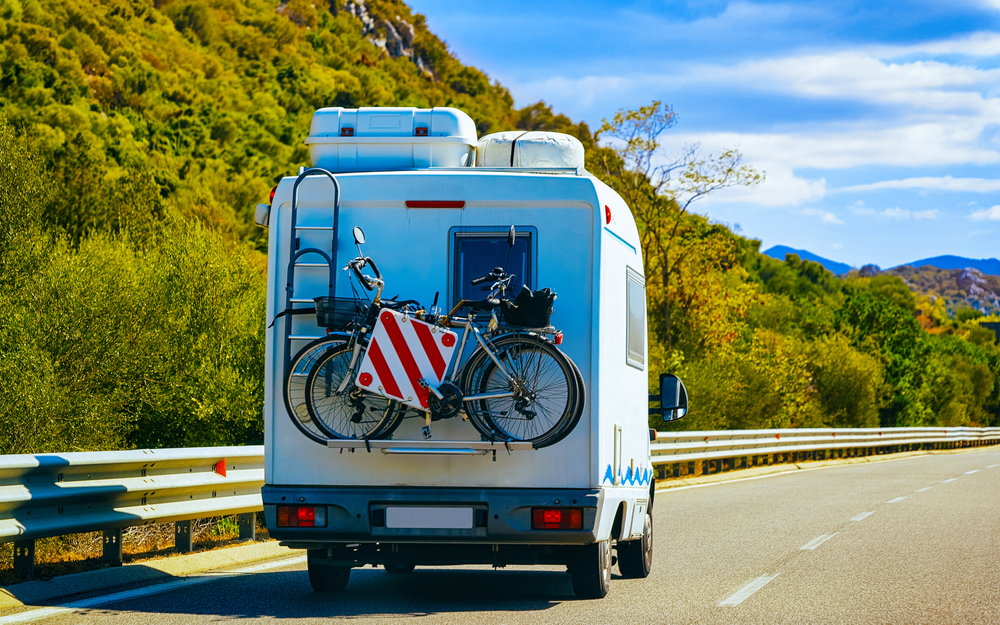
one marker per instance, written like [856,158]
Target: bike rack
[329,258]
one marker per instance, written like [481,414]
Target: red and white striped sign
[403,351]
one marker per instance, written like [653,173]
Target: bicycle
[515,386]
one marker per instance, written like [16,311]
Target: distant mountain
[989,266]
[779,252]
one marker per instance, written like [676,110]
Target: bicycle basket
[529,309]
[339,312]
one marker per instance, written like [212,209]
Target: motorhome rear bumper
[500,515]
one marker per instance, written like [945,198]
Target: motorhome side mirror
[510,237]
[673,397]
[262,216]
[359,236]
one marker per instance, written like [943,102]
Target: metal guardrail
[56,494]
[694,453]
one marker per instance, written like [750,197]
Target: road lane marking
[184,582]
[748,590]
[862,516]
[971,472]
[816,542]
[925,489]
[896,500]
[993,466]
[951,480]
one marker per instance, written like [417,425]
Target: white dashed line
[971,472]
[748,590]
[42,613]
[862,516]
[816,542]
[993,466]
[896,500]
[925,489]
[951,480]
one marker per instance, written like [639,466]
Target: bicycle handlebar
[360,263]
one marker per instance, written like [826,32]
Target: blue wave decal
[628,478]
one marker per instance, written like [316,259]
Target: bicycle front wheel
[351,413]
[536,392]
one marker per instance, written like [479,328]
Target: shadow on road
[371,593]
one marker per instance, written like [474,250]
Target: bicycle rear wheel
[545,399]
[296,374]
[353,413]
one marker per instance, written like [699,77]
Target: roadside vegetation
[139,135]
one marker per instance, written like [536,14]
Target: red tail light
[556,518]
[301,516]
[607,214]
[271,199]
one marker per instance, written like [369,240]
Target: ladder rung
[314,227]
[301,301]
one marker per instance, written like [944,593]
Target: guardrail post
[24,558]
[248,526]
[183,540]
[113,547]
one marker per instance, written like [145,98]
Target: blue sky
[877,123]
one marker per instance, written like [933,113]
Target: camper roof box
[520,149]
[387,139]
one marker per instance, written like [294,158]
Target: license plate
[412,517]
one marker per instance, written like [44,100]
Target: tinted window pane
[477,255]
[636,320]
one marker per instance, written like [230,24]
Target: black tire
[324,577]
[635,557]
[294,389]
[399,569]
[353,414]
[548,391]
[591,570]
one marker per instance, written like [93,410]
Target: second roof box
[529,149]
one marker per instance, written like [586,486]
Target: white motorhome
[436,206]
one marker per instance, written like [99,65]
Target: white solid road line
[896,500]
[971,472]
[951,480]
[43,613]
[748,590]
[862,516]
[816,542]
[925,489]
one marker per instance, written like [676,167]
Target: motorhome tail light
[557,518]
[559,337]
[435,203]
[607,214]
[420,131]
[346,131]
[301,516]
[270,199]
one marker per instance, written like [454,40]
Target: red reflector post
[435,203]
[556,518]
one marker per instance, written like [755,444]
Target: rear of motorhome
[432,206]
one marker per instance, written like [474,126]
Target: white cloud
[825,216]
[945,183]
[992,214]
[894,214]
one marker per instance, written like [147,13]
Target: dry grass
[77,553]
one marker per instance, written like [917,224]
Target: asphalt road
[914,540]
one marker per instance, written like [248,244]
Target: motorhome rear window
[635,302]
[476,253]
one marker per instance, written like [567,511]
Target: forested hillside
[137,136]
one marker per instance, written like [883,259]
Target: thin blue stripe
[626,243]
